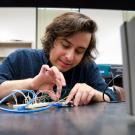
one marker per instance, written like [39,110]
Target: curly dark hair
[68,24]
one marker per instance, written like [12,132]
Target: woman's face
[68,52]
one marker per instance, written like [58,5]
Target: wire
[112,77]
[23,108]
[31,111]
[104,92]
[17,91]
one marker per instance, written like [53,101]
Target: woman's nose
[70,55]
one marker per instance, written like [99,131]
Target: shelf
[15,44]
[7,47]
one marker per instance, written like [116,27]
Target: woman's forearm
[7,86]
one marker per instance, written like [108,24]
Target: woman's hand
[47,78]
[83,94]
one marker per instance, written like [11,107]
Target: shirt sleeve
[7,70]
[112,94]
[22,64]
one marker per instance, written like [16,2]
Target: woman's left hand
[83,94]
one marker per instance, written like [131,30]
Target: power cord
[104,92]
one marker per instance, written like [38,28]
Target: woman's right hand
[47,78]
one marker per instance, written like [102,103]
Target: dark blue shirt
[26,63]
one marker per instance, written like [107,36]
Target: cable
[104,92]
[17,91]
[23,108]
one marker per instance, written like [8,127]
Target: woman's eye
[65,45]
[80,51]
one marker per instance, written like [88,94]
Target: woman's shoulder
[28,51]
[25,54]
